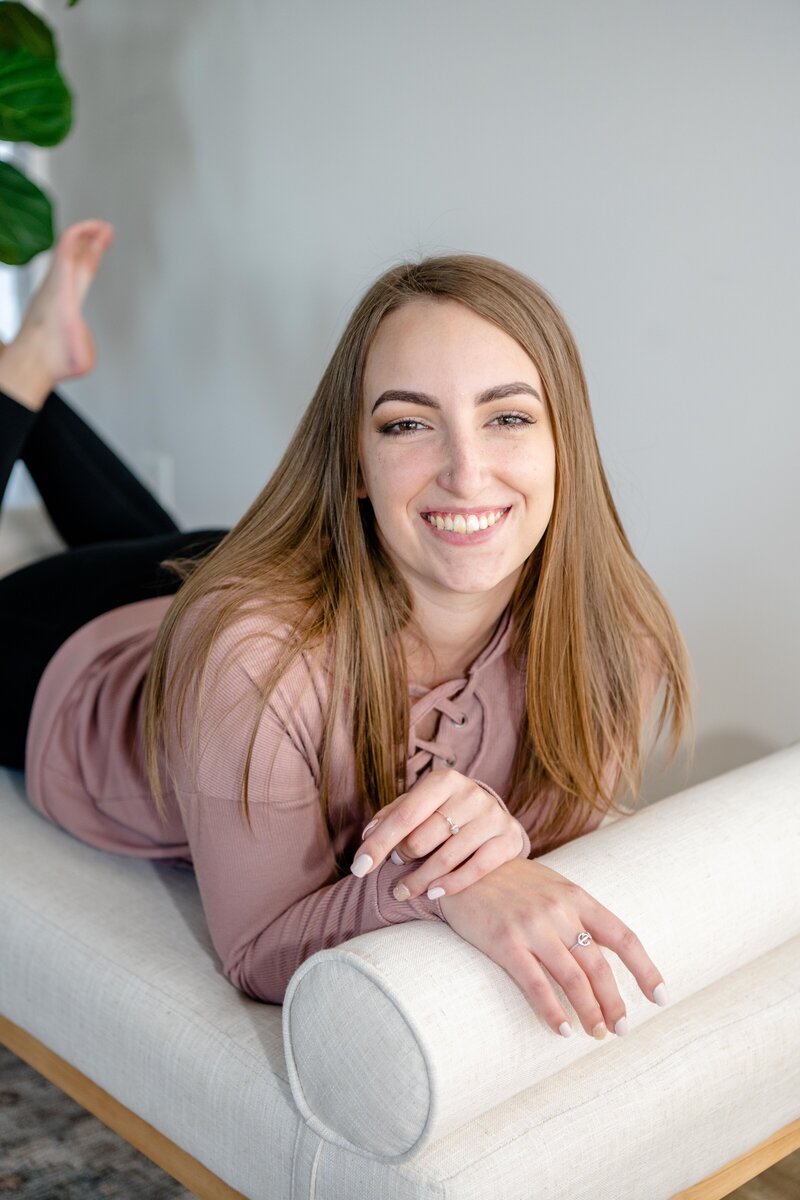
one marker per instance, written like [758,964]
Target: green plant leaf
[35,102]
[21,29]
[71,3]
[26,218]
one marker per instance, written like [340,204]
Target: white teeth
[459,524]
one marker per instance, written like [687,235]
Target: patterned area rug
[52,1149]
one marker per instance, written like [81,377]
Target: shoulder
[237,677]
[232,649]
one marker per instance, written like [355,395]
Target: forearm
[263,966]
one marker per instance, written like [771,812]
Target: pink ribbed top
[272,895]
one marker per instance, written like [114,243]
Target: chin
[470,587]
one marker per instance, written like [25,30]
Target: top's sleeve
[271,894]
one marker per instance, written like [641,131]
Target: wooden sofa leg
[740,1170]
[164,1153]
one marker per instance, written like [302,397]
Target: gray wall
[263,162]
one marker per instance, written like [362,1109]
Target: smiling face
[474,450]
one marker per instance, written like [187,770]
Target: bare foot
[53,326]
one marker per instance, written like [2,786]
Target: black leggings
[117,535]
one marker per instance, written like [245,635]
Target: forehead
[442,346]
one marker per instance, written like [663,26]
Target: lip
[464,539]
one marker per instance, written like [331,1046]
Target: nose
[463,469]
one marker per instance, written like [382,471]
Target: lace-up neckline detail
[454,700]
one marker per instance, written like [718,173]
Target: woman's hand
[526,917]
[414,826]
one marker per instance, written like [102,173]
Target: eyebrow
[500,392]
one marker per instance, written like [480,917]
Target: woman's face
[439,448]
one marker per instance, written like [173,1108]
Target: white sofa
[405,1063]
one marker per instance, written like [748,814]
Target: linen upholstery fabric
[707,879]
[107,960]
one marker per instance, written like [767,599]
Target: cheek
[539,491]
[546,473]
[397,478]
[548,488]
[531,472]
[547,491]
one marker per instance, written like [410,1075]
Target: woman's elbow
[255,980]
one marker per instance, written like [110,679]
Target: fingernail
[660,994]
[621,1027]
[361,865]
[599,1031]
[369,828]
[565,1029]
[400,892]
[435,893]
[395,857]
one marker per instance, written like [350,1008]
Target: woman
[430,616]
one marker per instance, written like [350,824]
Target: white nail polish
[565,1029]
[368,828]
[435,892]
[395,857]
[660,995]
[621,1027]
[361,865]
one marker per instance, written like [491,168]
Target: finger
[409,811]
[466,803]
[396,857]
[382,815]
[589,983]
[526,971]
[606,927]
[458,864]
[456,849]
[386,830]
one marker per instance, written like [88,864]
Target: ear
[361,491]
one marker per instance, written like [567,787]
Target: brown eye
[398,428]
[515,420]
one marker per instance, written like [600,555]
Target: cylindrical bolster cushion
[402,1035]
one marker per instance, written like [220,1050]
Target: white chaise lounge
[405,1063]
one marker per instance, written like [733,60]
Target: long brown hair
[589,626]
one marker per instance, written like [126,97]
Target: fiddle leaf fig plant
[36,107]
